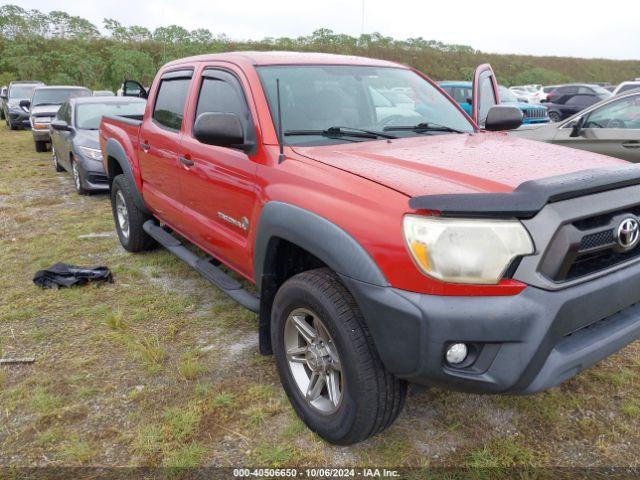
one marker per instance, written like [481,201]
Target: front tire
[78,178]
[327,362]
[128,218]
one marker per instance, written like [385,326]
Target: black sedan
[75,146]
[567,100]
[577,103]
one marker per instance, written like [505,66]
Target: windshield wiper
[342,132]
[422,127]
[43,104]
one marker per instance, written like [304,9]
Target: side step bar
[204,266]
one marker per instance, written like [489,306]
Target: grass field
[160,369]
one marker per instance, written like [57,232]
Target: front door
[219,183]
[159,150]
[612,129]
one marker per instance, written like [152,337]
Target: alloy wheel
[123,214]
[76,175]
[313,360]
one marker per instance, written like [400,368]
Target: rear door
[612,129]
[159,149]
[485,93]
[219,183]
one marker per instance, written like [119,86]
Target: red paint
[362,187]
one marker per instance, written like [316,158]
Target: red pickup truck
[392,238]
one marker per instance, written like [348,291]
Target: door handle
[186,161]
[631,144]
[145,146]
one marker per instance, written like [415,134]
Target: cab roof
[61,87]
[101,100]
[285,58]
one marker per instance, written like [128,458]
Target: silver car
[43,107]
[75,145]
[610,127]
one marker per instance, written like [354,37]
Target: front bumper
[19,118]
[535,121]
[519,344]
[95,178]
[41,134]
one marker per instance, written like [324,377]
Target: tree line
[59,48]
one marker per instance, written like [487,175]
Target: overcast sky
[606,29]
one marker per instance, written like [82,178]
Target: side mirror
[577,127]
[503,117]
[60,125]
[221,129]
[4,97]
[25,104]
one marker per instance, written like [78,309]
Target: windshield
[21,92]
[315,98]
[88,115]
[56,96]
[506,95]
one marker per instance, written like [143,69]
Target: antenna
[280,135]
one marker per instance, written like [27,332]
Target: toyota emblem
[628,233]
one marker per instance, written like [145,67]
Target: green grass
[180,423]
[122,377]
[187,456]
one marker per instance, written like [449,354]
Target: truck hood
[456,163]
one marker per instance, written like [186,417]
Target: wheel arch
[289,240]
[118,163]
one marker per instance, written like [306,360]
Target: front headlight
[465,250]
[92,153]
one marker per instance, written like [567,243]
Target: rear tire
[128,218]
[54,158]
[40,146]
[369,398]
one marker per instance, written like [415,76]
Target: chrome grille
[535,112]
[588,246]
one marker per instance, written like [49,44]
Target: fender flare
[113,149]
[322,238]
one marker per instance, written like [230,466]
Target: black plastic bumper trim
[531,196]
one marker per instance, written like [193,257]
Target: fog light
[456,353]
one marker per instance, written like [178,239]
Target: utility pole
[362,20]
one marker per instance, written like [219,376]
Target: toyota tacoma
[387,246]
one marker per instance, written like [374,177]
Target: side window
[170,100]
[221,92]
[585,91]
[487,98]
[624,113]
